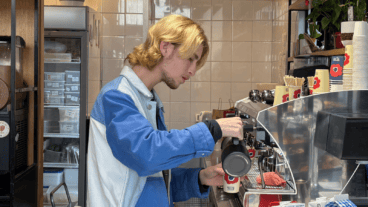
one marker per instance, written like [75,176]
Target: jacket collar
[139,85]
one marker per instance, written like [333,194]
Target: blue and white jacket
[128,149]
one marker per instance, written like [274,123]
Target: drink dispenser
[5,68]
[235,157]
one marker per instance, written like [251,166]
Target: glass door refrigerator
[65,89]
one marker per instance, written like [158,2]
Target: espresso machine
[314,143]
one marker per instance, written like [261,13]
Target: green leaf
[337,25]
[336,14]
[325,21]
[301,36]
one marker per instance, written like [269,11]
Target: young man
[130,152]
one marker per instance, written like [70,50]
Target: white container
[52,177]
[72,77]
[69,114]
[67,127]
[71,177]
[54,84]
[72,98]
[54,76]
[72,88]
[54,92]
[58,100]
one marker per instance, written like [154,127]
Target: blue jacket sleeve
[184,184]
[136,144]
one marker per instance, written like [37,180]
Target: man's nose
[192,69]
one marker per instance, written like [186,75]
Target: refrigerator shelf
[51,135]
[60,165]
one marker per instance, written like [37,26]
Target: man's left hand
[213,176]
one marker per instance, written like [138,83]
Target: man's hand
[212,176]
[231,127]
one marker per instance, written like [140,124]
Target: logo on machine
[252,153]
[231,179]
[4,129]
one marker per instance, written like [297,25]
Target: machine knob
[244,116]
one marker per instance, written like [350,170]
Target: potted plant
[327,15]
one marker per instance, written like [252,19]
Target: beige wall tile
[104,83]
[180,112]
[168,126]
[113,24]
[181,94]
[261,72]
[221,10]
[167,107]
[93,90]
[181,7]
[262,31]
[134,25]
[221,71]
[179,125]
[277,50]
[279,28]
[242,31]
[130,43]
[90,107]
[113,6]
[200,91]
[277,73]
[94,72]
[220,90]
[222,106]
[262,10]
[163,92]
[283,17]
[111,68]
[201,10]
[94,49]
[261,51]
[243,10]
[196,108]
[94,5]
[221,51]
[113,47]
[254,86]
[240,90]
[242,51]
[221,31]
[134,6]
[206,26]
[241,72]
[162,8]
[203,74]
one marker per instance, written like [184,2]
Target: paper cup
[231,184]
[311,90]
[321,81]
[360,28]
[294,92]
[348,60]
[281,95]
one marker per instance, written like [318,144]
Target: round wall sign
[4,129]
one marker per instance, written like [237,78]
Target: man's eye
[191,59]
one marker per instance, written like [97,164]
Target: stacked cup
[337,64]
[321,81]
[347,79]
[360,62]
[281,95]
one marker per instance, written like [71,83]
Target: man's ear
[166,48]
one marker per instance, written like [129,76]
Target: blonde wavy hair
[178,30]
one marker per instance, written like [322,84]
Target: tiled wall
[245,48]
[247,42]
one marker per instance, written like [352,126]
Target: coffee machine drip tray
[250,184]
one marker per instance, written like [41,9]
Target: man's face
[177,70]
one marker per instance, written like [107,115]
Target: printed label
[68,96]
[70,76]
[230,188]
[54,93]
[75,79]
[55,85]
[68,127]
[4,129]
[74,88]
[75,99]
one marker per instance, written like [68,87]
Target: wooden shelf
[326,53]
[299,5]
